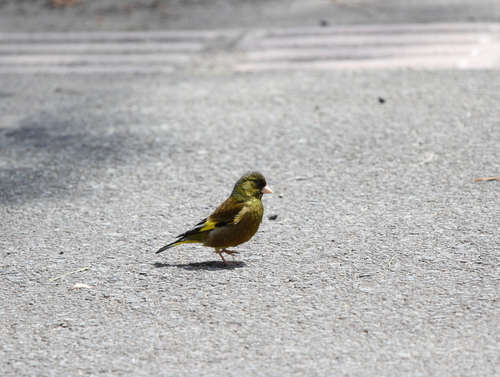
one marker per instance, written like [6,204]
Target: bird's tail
[175,243]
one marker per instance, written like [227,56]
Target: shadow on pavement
[56,155]
[209,266]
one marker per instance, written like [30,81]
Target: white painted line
[89,48]
[372,40]
[115,36]
[445,62]
[483,57]
[93,59]
[64,70]
[359,53]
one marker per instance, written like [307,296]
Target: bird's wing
[226,214]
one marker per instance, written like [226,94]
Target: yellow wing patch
[183,242]
[208,225]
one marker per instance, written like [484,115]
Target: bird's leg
[227,252]
[220,253]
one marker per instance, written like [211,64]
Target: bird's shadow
[208,266]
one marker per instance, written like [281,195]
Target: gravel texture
[383,258]
[382,255]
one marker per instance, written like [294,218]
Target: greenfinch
[234,222]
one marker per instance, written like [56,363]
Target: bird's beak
[267,190]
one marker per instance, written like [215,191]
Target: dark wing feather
[224,215]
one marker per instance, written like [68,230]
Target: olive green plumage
[234,222]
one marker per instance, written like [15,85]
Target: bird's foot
[229,251]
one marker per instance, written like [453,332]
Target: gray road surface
[127,15]
[383,259]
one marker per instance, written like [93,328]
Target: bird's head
[252,184]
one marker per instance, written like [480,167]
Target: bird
[234,222]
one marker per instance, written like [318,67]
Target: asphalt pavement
[383,255]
